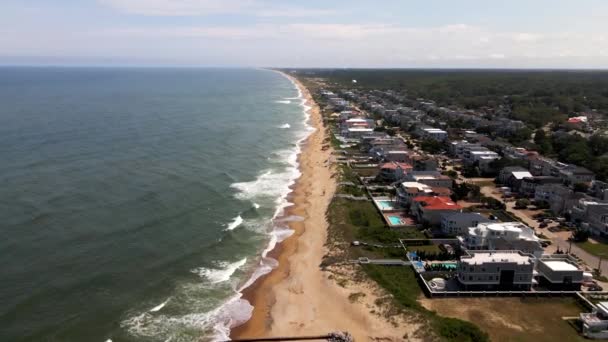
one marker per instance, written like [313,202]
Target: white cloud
[497,56]
[177,7]
[328,44]
[205,7]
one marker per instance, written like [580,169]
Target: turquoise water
[395,220]
[386,205]
[136,203]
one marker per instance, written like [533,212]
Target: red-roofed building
[394,171]
[429,209]
[578,122]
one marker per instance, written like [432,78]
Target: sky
[312,33]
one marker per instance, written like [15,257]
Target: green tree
[522,203]
[581,187]
[580,235]
[598,144]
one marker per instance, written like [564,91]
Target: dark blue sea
[135,203]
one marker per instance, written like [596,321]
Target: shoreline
[260,293]
[297,297]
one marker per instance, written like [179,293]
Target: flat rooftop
[560,266]
[479,258]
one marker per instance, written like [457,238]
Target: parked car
[543,225]
[595,288]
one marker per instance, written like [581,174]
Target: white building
[458,223]
[592,214]
[498,236]
[559,272]
[407,191]
[491,270]
[358,132]
[435,134]
[595,324]
[430,178]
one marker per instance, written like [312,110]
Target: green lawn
[597,249]
[425,248]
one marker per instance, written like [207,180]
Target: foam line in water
[160,306]
[285,126]
[222,273]
[235,223]
[231,313]
[283,101]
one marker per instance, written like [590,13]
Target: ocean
[136,203]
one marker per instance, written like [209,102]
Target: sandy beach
[298,298]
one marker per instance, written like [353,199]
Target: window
[483,269]
[470,277]
[471,269]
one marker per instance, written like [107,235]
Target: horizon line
[421,68]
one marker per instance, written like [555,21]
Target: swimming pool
[451,265]
[386,205]
[395,220]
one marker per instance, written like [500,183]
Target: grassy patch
[425,248]
[354,297]
[597,249]
[515,319]
[352,190]
[402,283]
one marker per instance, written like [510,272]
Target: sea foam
[272,185]
[220,274]
[276,184]
[235,223]
[160,306]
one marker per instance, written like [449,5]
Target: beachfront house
[559,272]
[501,236]
[429,209]
[492,270]
[458,223]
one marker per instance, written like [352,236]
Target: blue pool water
[386,205]
[395,220]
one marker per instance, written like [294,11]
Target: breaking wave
[235,223]
[222,273]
